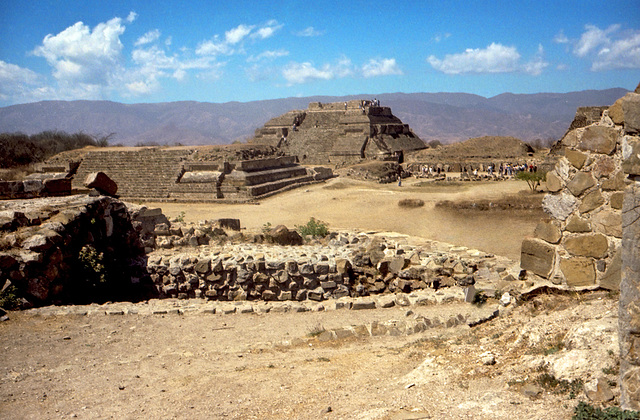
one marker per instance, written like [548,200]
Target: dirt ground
[271,366]
[344,203]
[268,366]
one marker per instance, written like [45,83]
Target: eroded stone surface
[537,256]
[598,139]
[578,271]
[587,245]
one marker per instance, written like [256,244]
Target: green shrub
[313,228]
[584,411]
[533,179]
[9,298]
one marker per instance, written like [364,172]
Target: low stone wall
[32,188]
[351,264]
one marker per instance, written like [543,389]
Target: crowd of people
[502,170]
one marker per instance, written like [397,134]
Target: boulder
[631,111]
[553,182]
[101,182]
[281,235]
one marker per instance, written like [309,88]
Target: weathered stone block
[599,139]
[553,182]
[548,231]
[603,166]
[616,182]
[578,271]
[631,110]
[581,182]
[611,278]
[577,224]
[615,201]
[576,158]
[589,245]
[101,182]
[559,206]
[537,256]
[631,156]
[608,222]
[57,186]
[591,201]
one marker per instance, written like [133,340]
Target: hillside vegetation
[19,149]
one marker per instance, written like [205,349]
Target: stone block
[559,206]
[631,111]
[577,224]
[553,182]
[360,304]
[615,201]
[576,158]
[578,271]
[599,139]
[592,200]
[537,256]
[581,182]
[101,182]
[604,166]
[615,112]
[587,245]
[548,231]
[611,278]
[608,222]
[631,156]
[57,186]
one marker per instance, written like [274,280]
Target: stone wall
[70,249]
[627,112]
[580,243]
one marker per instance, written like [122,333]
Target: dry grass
[411,203]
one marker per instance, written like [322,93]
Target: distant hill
[447,117]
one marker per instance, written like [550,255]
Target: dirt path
[350,204]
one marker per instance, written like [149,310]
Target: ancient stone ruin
[191,174]
[592,236]
[339,133]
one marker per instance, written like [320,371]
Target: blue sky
[221,51]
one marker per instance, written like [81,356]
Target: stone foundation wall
[580,243]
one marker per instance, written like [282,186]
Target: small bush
[9,298]
[411,203]
[533,179]
[557,386]
[480,298]
[584,411]
[313,228]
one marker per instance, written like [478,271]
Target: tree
[533,178]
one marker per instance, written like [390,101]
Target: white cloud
[237,34]
[440,37]
[21,83]
[268,55]
[310,31]
[298,73]
[592,38]
[537,64]
[610,48]
[381,67]
[148,38]
[132,17]
[560,38]
[496,58]
[81,55]
[213,47]
[267,30]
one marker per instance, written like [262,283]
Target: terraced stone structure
[190,174]
[339,133]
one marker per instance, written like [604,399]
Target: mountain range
[447,117]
